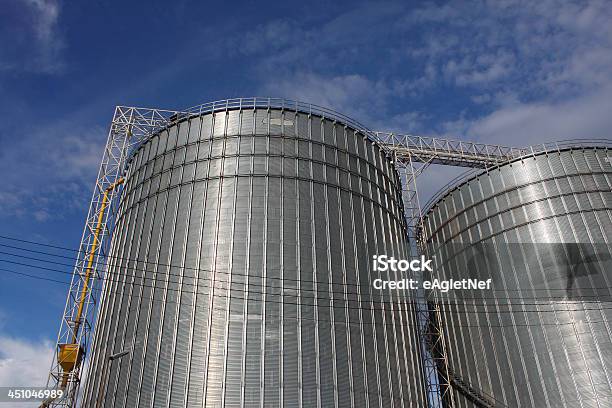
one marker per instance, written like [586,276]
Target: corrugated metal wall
[541,228]
[240,271]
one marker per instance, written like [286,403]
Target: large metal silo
[540,227]
[240,270]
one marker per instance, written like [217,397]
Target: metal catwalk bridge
[446,151]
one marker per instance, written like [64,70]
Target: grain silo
[539,226]
[240,270]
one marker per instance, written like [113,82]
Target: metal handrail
[163,117]
[155,120]
[278,103]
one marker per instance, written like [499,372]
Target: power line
[330,299]
[344,322]
[180,302]
[159,264]
[264,286]
[283,279]
[343,293]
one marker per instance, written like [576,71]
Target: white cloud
[585,117]
[406,122]
[41,215]
[24,362]
[268,37]
[49,170]
[350,94]
[480,69]
[538,71]
[553,47]
[32,39]
[46,14]
[545,63]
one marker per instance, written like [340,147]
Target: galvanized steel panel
[240,271]
[540,227]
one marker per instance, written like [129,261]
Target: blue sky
[500,72]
